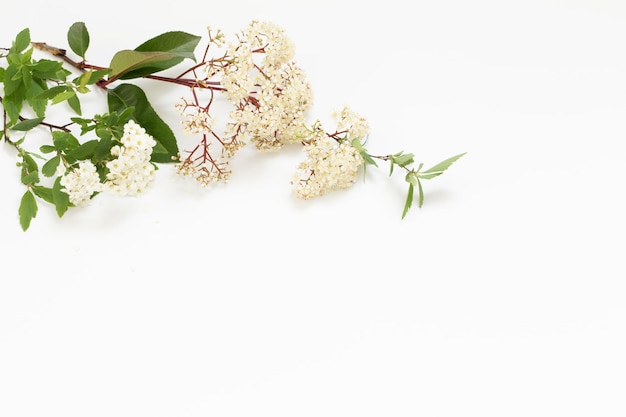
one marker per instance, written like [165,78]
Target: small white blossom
[195,120]
[131,172]
[81,183]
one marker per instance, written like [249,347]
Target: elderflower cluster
[329,166]
[131,171]
[81,183]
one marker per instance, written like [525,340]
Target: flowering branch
[269,98]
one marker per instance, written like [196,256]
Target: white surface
[502,296]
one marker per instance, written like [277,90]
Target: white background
[502,296]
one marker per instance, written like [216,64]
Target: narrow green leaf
[74,104]
[78,38]
[27,124]
[356,143]
[409,200]
[129,95]
[66,95]
[439,168]
[27,210]
[421,193]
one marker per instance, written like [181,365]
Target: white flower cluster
[332,162]
[271,93]
[195,119]
[81,183]
[203,168]
[129,173]
[329,165]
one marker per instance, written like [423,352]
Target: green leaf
[47,148]
[74,104]
[157,54]
[44,193]
[27,124]
[47,68]
[78,38]
[134,64]
[52,92]
[356,143]
[66,95]
[103,150]
[180,43]
[30,178]
[91,77]
[50,167]
[21,41]
[439,168]
[61,199]
[421,193]
[27,210]
[409,201]
[28,163]
[129,95]
[402,159]
[64,141]
[84,151]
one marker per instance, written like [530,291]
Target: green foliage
[26,81]
[413,177]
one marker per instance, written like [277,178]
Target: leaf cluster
[413,176]
[36,84]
